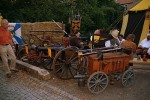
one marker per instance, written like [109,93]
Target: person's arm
[122,44]
[140,45]
[134,48]
[11,41]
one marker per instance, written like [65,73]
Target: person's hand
[13,47]
[139,47]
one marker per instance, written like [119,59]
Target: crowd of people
[118,40]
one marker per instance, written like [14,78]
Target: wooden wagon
[104,66]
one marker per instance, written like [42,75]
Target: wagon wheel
[32,61]
[65,63]
[24,58]
[21,53]
[97,82]
[46,62]
[128,78]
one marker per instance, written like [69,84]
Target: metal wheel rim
[97,82]
[21,53]
[128,78]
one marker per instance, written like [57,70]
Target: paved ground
[139,91]
[22,86]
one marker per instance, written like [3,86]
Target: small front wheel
[128,78]
[97,82]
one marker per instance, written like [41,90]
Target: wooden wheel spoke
[125,82]
[92,85]
[94,78]
[73,56]
[62,73]
[91,82]
[71,72]
[103,79]
[97,76]
[124,79]
[103,83]
[101,86]
[74,59]
[95,87]
[131,75]
[66,72]
[73,68]
[60,60]
[60,68]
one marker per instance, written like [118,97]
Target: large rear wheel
[65,63]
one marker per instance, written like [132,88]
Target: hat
[115,33]
[97,31]
[148,34]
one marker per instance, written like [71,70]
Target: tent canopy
[137,21]
[142,5]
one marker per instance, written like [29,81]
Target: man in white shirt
[144,46]
[113,42]
[146,42]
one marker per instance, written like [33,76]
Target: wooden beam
[140,67]
[46,31]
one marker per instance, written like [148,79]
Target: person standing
[6,51]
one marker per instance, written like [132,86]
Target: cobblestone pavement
[24,87]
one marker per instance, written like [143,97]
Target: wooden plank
[135,61]
[140,67]
[46,31]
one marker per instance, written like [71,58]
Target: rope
[138,23]
[114,23]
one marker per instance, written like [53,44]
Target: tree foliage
[95,14]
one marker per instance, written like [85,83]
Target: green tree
[95,14]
